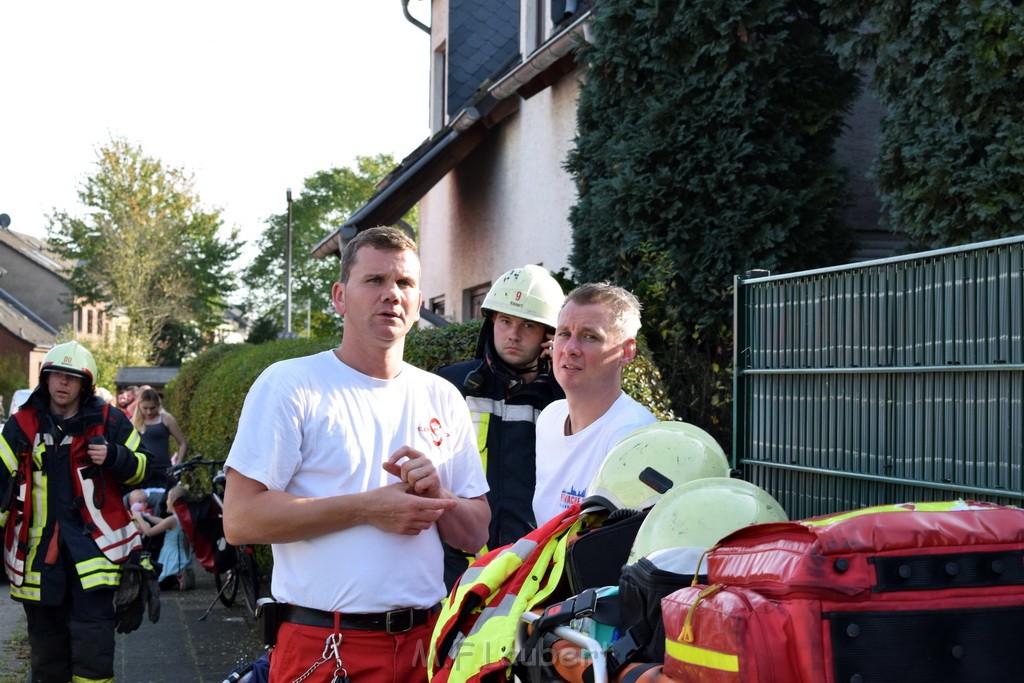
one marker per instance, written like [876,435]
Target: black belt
[395,621]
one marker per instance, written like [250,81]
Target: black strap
[563,612]
[623,650]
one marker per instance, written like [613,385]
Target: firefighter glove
[137,592]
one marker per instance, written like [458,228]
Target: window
[88,321]
[439,73]
[473,299]
[99,321]
[437,305]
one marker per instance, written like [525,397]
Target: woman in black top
[156,427]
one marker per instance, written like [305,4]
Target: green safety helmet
[529,293]
[652,459]
[699,513]
[71,358]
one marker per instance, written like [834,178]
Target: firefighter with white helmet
[651,460]
[66,454]
[506,386]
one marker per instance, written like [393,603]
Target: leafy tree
[146,247]
[704,149]
[950,164]
[326,200]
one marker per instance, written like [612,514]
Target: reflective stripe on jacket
[64,504]
[476,630]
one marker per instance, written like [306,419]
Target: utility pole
[288,272]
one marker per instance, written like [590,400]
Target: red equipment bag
[203,526]
[912,593]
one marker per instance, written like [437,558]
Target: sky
[250,98]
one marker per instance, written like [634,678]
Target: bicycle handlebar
[192,464]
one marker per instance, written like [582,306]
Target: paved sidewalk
[179,648]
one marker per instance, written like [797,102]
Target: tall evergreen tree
[704,149]
[950,164]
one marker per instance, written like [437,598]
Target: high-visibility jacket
[476,629]
[63,503]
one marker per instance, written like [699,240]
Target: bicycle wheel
[248,576]
[227,586]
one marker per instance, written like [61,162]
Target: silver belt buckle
[396,615]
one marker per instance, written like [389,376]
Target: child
[175,553]
[140,502]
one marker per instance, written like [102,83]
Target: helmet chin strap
[534,367]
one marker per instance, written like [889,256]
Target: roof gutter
[541,59]
[413,20]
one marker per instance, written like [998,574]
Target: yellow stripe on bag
[937,506]
[699,656]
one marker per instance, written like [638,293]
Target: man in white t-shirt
[354,466]
[594,340]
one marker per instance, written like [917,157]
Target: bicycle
[202,522]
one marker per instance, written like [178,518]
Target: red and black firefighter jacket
[64,509]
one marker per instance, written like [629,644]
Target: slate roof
[23,323]
[36,250]
[483,42]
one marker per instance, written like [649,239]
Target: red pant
[368,656]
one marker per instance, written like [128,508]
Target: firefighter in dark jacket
[68,535]
[506,386]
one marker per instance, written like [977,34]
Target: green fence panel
[885,381]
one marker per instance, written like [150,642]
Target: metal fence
[885,381]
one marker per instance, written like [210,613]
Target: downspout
[413,20]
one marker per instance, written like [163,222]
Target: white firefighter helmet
[529,293]
[71,358]
[650,460]
[701,512]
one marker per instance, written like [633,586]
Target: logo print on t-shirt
[437,432]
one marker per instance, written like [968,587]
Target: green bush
[179,392]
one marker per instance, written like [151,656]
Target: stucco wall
[506,204]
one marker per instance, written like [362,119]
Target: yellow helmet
[652,459]
[699,513]
[529,293]
[71,358]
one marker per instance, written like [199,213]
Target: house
[490,182]
[35,302]
[235,327]
[36,276]
[24,336]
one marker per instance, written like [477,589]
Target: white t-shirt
[567,464]
[315,427]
